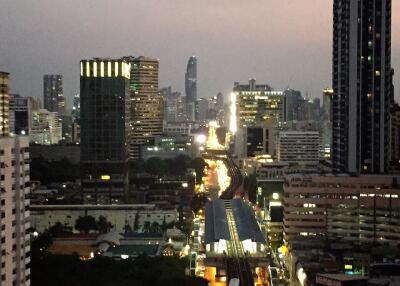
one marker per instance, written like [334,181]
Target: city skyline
[244,42]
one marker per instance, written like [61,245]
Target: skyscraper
[53,96]
[4,103]
[20,112]
[146,103]
[361,84]
[105,123]
[14,192]
[191,88]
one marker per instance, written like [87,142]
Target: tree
[85,224]
[250,186]
[42,241]
[103,225]
[198,202]
[156,166]
[136,222]
[155,227]
[59,229]
[146,227]
[198,164]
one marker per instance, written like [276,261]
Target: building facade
[257,104]
[361,85]
[45,127]
[53,96]
[15,223]
[363,209]
[298,147]
[146,104]
[20,113]
[105,124]
[4,103]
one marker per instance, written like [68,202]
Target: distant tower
[191,88]
[361,85]
[53,96]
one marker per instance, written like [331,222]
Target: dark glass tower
[361,85]
[191,88]
[105,121]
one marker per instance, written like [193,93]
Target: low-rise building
[121,217]
[359,209]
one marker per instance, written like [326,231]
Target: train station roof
[246,223]
[216,222]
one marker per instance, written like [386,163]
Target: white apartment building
[45,128]
[299,147]
[14,189]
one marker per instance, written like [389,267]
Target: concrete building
[202,109]
[364,209]
[174,105]
[146,104]
[4,103]
[361,85]
[14,182]
[298,147]
[120,216]
[253,141]
[191,88]
[53,96]
[46,128]
[257,104]
[168,147]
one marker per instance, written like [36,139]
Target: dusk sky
[279,42]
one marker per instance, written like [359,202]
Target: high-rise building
[146,103]
[191,88]
[361,85]
[327,104]
[257,104]
[174,106]
[105,126]
[4,104]
[53,96]
[45,127]
[14,192]
[15,248]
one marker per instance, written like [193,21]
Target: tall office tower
[191,88]
[4,103]
[257,104]
[20,112]
[14,191]
[146,107]
[53,96]
[298,147]
[292,105]
[105,127]
[361,84]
